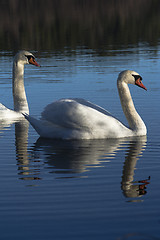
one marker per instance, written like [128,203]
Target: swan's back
[74,113]
[80,117]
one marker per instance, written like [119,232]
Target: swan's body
[19,95]
[80,119]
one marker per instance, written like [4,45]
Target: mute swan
[19,95]
[80,119]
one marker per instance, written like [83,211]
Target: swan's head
[131,77]
[25,57]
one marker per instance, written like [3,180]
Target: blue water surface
[90,189]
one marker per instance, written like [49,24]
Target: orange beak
[140,84]
[33,61]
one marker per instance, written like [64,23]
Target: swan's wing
[75,114]
[91,105]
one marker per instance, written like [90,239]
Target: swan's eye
[30,57]
[137,77]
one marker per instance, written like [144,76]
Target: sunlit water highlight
[90,189]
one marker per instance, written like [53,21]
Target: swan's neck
[19,95]
[134,120]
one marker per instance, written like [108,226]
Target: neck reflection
[130,187]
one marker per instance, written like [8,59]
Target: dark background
[97,24]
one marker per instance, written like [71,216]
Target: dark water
[90,189]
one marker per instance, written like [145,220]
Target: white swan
[19,95]
[80,119]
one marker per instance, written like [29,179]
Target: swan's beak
[33,61]
[140,84]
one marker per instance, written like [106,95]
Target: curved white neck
[19,95]
[135,122]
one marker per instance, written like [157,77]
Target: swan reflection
[75,156]
[23,155]
[21,142]
[69,159]
[78,157]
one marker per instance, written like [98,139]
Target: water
[90,189]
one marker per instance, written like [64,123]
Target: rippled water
[90,189]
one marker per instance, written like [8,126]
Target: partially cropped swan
[19,95]
[80,119]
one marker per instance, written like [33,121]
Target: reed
[97,24]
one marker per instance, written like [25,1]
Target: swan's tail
[2,107]
[36,124]
[42,127]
